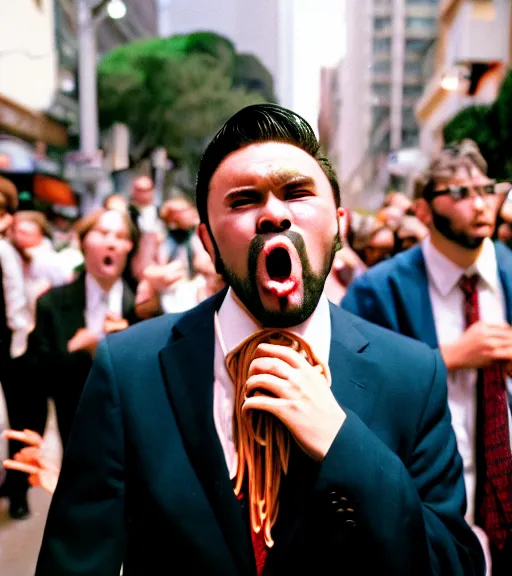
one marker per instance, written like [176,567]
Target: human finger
[502,353]
[284,353]
[26,436]
[268,384]
[29,453]
[20,466]
[275,406]
[269,365]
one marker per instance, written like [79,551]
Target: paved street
[20,540]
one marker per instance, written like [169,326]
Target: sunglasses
[463,192]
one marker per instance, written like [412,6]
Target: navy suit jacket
[394,294]
[144,480]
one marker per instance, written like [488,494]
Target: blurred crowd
[68,281]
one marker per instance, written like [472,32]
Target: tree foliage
[172,92]
[491,128]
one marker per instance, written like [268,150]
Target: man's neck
[140,206]
[105,284]
[462,257]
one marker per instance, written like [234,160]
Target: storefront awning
[33,126]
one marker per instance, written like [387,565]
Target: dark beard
[247,291]
[443,225]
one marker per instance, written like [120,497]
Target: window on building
[382,67]
[382,44]
[412,91]
[421,23]
[382,23]
[416,45]
[409,138]
[413,67]
[382,90]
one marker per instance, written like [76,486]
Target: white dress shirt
[17,308]
[233,327]
[98,303]
[448,309]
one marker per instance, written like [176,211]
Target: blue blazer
[144,480]
[394,294]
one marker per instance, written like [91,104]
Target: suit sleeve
[84,532]
[412,512]
[363,300]
[47,356]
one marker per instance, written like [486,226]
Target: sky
[318,39]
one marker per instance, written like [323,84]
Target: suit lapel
[353,390]
[188,362]
[504,259]
[412,284]
[128,304]
[73,304]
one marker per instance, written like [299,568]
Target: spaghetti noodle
[262,440]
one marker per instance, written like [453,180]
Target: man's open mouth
[108,261]
[279,264]
[279,267]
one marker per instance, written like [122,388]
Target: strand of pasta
[262,441]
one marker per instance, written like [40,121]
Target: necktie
[495,501]
[262,441]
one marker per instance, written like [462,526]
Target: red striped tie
[496,504]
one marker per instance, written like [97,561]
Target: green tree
[172,92]
[491,128]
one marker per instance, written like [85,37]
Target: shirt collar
[445,274]
[95,293]
[237,324]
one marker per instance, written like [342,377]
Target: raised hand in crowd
[114,323]
[479,346]
[32,461]
[163,277]
[84,339]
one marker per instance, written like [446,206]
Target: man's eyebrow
[288,179]
[280,179]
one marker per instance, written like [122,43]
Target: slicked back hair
[257,124]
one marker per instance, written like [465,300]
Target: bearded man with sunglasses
[454,292]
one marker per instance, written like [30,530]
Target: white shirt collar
[237,325]
[95,294]
[445,274]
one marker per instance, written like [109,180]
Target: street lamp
[116,9]
[89,14]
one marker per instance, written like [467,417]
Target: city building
[28,84]
[141,20]
[379,83]
[466,65]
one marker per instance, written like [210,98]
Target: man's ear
[341,217]
[423,211]
[206,239]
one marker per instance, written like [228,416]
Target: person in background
[411,231]
[8,204]
[31,235]
[374,480]
[142,207]
[71,320]
[373,241]
[31,460]
[454,292]
[116,202]
[15,325]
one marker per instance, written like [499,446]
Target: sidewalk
[20,539]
